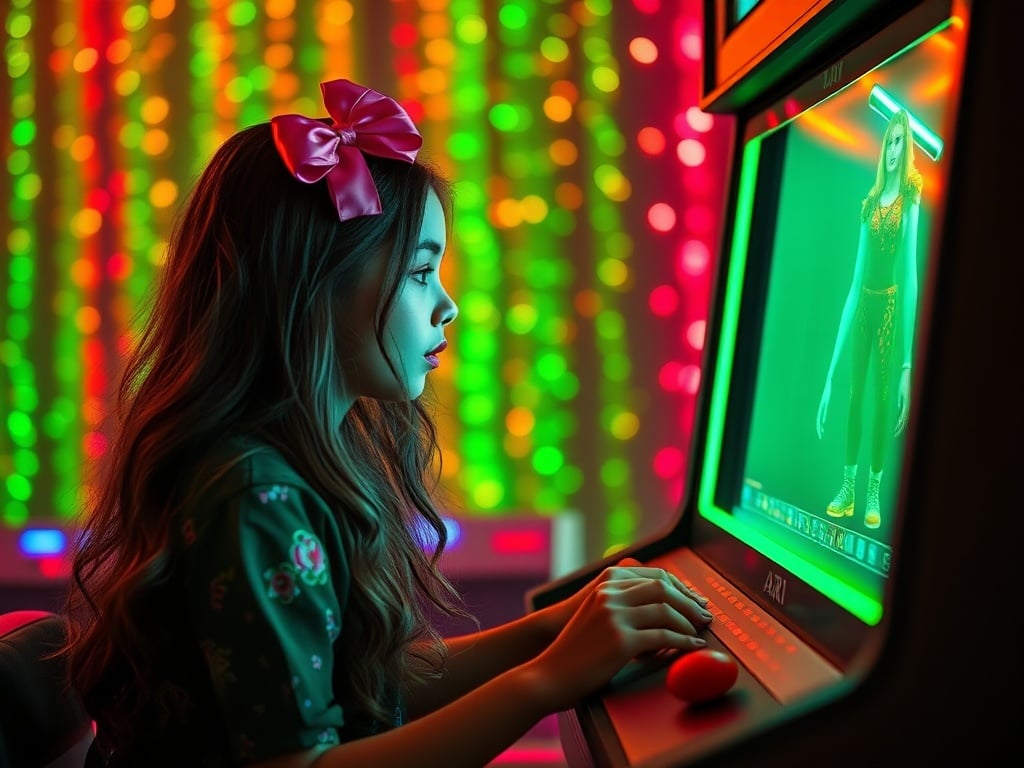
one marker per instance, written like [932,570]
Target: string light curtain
[588,188]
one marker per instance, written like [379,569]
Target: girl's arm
[478,657]
[619,616]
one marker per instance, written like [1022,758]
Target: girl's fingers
[636,568]
[660,616]
[662,595]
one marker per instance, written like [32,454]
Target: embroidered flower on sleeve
[275,493]
[328,736]
[308,558]
[281,584]
[333,630]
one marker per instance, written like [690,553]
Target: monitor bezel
[837,633]
[775,41]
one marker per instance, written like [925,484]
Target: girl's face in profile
[415,331]
[894,149]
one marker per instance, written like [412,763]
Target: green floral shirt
[262,582]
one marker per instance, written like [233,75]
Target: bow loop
[363,121]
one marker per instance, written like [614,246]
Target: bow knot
[363,121]
[347,136]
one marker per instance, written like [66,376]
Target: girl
[249,588]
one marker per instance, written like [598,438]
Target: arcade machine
[851,508]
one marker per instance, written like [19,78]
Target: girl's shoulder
[235,462]
[243,485]
[245,467]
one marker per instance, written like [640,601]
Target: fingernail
[706,615]
[699,641]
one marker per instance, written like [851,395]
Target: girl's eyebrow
[429,245]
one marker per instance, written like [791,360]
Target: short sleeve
[265,579]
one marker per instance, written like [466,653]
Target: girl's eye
[421,275]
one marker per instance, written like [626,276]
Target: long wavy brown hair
[242,339]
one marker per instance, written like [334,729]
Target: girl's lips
[431,356]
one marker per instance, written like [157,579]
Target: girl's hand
[627,610]
[559,614]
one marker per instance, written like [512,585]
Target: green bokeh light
[26,462]
[504,117]
[19,25]
[18,162]
[19,296]
[21,428]
[488,494]
[478,308]
[23,133]
[135,18]
[131,134]
[242,13]
[18,326]
[566,387]
[568,480]
[513,15]
[474,375]
[554,49]
[465,145]
[18,63]
[470,29]
[547,460]
[471,98]
[477,408]
[239,89]
[606,79]
[22,266]
[610,324]
[521,318]
[23,105]
[19,487]
[28,187]
[550,365]
[25,397]
[615,472]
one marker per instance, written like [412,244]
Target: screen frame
[776,41]
[838,633]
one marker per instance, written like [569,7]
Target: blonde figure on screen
[882,296]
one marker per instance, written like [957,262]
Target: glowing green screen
[768,476]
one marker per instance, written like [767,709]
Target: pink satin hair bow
[364,121]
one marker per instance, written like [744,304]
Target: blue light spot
[454,532]
[39,542]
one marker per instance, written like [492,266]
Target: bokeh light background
[589,189]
